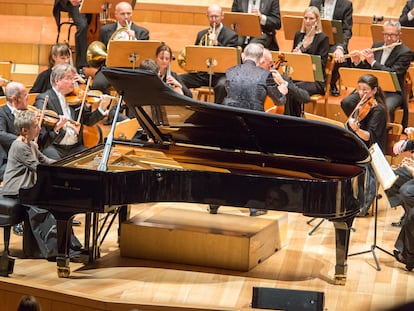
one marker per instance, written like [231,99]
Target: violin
[93,97]
[363,108]
[50,117]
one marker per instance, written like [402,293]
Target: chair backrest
[394,131]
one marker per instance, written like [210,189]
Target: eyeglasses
[69,79]
[391,35]
[214,16]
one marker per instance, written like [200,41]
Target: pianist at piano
[68,140]
[209,154]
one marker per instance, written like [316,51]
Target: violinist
[68,139]
[59,54]
[392,57]
[369,122]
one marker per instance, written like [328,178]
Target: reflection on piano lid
[187,121]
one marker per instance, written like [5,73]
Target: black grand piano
[211,154]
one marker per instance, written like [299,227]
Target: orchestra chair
[3,100]
[69,24]
[394,131]
[11,213]
[206,94]
[315,98]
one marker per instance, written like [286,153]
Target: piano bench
[11,213]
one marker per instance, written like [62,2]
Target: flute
[373,49]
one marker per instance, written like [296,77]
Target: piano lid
[171,118]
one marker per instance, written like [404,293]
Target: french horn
[96,54]
[120,34]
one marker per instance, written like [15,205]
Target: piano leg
[64,231]
[342,233]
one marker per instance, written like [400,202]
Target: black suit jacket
[343,12]
[8,133]
[404,18]
[88,118]
[106,32]
[270,8]
[398,61]
[226,37]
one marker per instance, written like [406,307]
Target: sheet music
[382,168]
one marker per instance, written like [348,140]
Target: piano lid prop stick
[103,166]
[85,93]
[42,114]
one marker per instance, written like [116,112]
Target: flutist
[393,58]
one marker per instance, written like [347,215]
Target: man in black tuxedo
[407,14]
[269,13]
[81,21]
[337,10]
[395,58]
[216,35]
[68,138]
[16,94]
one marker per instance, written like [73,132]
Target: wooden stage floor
[306,263]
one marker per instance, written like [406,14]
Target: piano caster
[213,208]
[63,269]
[340,279]
[63,272]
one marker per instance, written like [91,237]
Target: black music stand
[211,59]
[386,178]
[244,24]
[130,53]
[332,28]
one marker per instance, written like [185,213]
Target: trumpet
[349,55]
[205,40]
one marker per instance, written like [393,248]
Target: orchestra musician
[123,28]
[311,40]
[369,122]
[299,95]
[337,10]
[216,35]
[407,14]
[248,84]
[402,193]
[163,58]
[68,139]
[269,14]
[59,54]
[81,21]
[389,55]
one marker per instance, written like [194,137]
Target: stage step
[230,239]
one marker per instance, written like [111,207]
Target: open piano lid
[193,122]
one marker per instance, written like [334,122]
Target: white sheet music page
[382,168]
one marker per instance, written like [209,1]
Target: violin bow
[42,114]
[85,93]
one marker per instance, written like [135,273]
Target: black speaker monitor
[287,299]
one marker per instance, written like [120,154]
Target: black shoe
[334,91]
[76,222]
[18,229]
[400,258]
[397,223]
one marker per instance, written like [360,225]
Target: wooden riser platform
[228,240]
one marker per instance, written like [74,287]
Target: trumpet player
[387,55]
[216,35]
